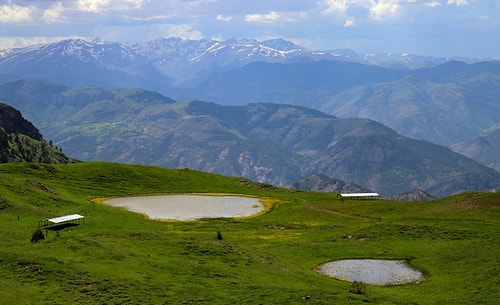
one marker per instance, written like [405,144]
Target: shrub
[358,287]
[37,235]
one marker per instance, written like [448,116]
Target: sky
[469,28]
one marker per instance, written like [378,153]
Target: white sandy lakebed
[372,271]
[189,207]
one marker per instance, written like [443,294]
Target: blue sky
[426,27]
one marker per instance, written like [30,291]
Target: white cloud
[53,14]
[336,6]
[458,2]
[275,17]
[72,10]
[148,18]
[384,9]
[217,38]
[96,6]
[92,6]
[223,18]
[432,4]
[349,22]
[15,13]
[265,18]
[185,31]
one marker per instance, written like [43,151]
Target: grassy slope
[118,257]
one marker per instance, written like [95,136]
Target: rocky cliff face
[12,121]
[20,140]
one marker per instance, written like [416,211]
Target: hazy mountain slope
[443,113]
[50,106]
[484,149]
[445,104]
[375,158]
[278,144]
[457,71]
[305,84]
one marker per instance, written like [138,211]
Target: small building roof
[65,218]
[360,195]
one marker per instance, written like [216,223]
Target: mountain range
[443,100]
[165,63]
[452,102]
[272,143]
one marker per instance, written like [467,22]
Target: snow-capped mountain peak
[177,59]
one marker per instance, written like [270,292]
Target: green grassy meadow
[120,257]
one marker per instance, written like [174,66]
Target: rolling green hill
[119,257]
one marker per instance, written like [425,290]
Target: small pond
[189,207]
[372,271]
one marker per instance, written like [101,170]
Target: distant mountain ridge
[270,143]
[165,63]
[76,62]
[442,112]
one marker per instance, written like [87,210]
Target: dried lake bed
[372,271]
[189,207]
